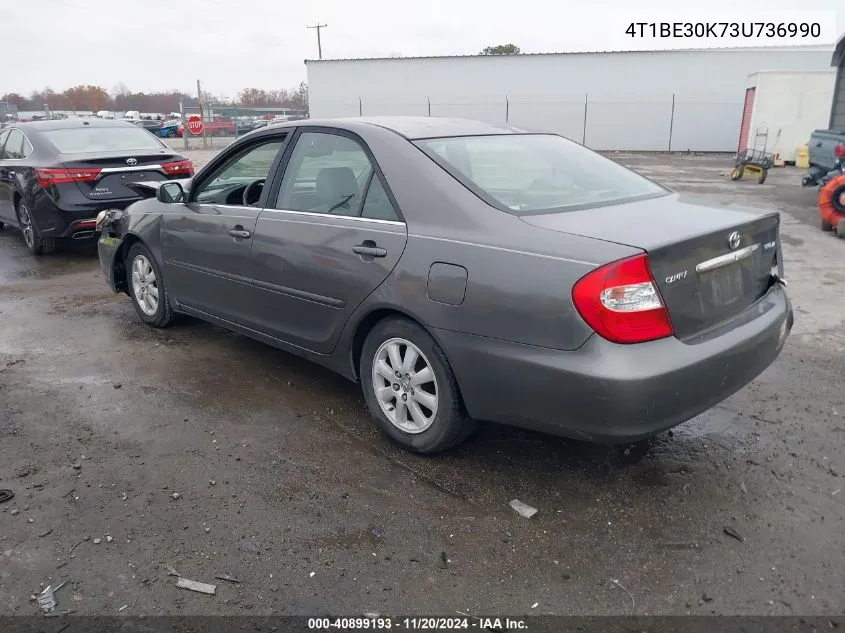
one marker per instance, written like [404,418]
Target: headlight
[105,217]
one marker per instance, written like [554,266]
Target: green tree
[300,98]
[501,49]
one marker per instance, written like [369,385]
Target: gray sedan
[464,271]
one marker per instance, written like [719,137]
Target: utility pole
[184,123]
[202,115]
[319,26]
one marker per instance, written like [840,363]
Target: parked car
[55,176]
[217,126]
[245,126]
[827,155]
[148,124]
[170,129]
[461,270]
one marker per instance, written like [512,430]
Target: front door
[329,236]
[206,247]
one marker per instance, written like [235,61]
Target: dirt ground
[130,450]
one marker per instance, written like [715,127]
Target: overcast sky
[232,44]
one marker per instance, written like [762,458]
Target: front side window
[326,173]
[241,181]
[3,136]
[537,173]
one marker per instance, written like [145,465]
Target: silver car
[464,271]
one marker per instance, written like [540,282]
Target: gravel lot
[131,449]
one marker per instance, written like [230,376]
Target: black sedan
[55,176]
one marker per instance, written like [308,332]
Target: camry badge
[131,161]
[734,240]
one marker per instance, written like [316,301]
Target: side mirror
[170,193]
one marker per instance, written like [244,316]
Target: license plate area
[724,285]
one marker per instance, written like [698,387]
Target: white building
[645,100]
[782,108]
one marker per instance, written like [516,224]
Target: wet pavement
[201,450]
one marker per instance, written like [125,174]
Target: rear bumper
[71,221]
[609,393]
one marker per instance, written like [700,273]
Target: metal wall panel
[630,94]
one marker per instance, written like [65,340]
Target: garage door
[837,114]
[745,126]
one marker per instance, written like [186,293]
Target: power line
[319,26]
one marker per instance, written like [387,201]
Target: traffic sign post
[195,125]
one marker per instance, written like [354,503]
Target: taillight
[839,150]
[179,168]
[49,177]
[620,301]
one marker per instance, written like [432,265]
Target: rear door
[206,246]
[330,236]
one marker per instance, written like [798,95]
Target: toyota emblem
[734,240]
[131,161]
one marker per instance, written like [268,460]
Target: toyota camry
[464,271]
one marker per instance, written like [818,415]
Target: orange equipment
[832,205]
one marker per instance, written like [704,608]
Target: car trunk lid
[710,262]
[110,176]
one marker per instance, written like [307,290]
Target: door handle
[240,233]
[370,249]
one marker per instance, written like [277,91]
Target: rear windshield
[81,140]
[536,173]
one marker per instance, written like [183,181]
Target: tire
[449,425]
[147,288]
[840,229]
[35,243]
[832,201]
[737,172]
[762,177]
[826,226]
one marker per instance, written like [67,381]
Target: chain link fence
[671,122]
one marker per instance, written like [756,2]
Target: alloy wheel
[405,385]
[26,226]
[145,285]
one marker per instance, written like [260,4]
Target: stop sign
[195,125]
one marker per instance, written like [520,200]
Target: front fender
[108,247]
[119,233]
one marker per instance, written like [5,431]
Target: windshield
[536,173]
[82,140]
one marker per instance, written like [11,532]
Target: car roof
[66,124]
[411,127]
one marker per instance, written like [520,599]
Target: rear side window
[16,146]
[326,173]
[537,173]
[377,205]
[82,140]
